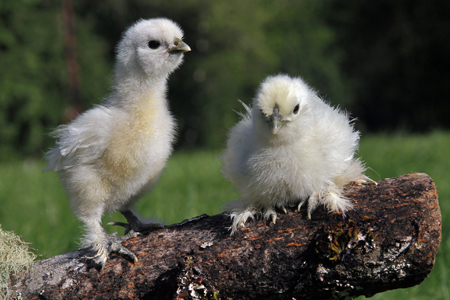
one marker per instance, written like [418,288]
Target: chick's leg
[332,199]
[313,202]
[136,223]
[89,195]
[335,201]
[102,243]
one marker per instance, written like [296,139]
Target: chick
[290,147]
[115,152]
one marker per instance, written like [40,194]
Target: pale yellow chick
[290,148]
[115,152]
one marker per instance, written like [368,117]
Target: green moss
[337,240]
[15,256]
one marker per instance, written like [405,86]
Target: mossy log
[388,241]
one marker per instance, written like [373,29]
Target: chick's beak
[179,46]
[276,121]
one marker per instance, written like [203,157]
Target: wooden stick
[388,241]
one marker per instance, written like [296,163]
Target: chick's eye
[154,44]
[296,109]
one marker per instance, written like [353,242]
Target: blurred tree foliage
[33,74]
[396,56]
[383,60]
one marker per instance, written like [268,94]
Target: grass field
[34,205]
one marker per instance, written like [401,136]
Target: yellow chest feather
[127,151]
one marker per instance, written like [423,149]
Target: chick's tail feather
[54,159]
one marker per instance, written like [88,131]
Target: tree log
[388,241]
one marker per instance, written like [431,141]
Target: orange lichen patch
[157,245]
[274,239]
[183,295]
[141,253]
[436,205]
[401,204]
[290,229]
[108,266]
[353,195]
[208,262]
[295,244]
[255,238]
[222,255]
[403,217]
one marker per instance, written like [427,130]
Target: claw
[118,248]
[134,224]
[300,204]
[270,214]
[118,224]
[364,179]
[128,236]
[284,209]
[313,202]
[311,207]
[373,181]
[109,244]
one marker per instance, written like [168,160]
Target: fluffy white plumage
[290,147]
[113,153]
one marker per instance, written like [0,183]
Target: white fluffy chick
[290,147]
[115,152]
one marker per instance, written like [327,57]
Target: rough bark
[388,241]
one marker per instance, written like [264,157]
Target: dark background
[384,61]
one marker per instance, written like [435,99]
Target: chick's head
[152,48]
[280,105]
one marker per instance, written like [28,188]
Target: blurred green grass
[35,206]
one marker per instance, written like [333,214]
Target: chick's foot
[110,243]
[135,224]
